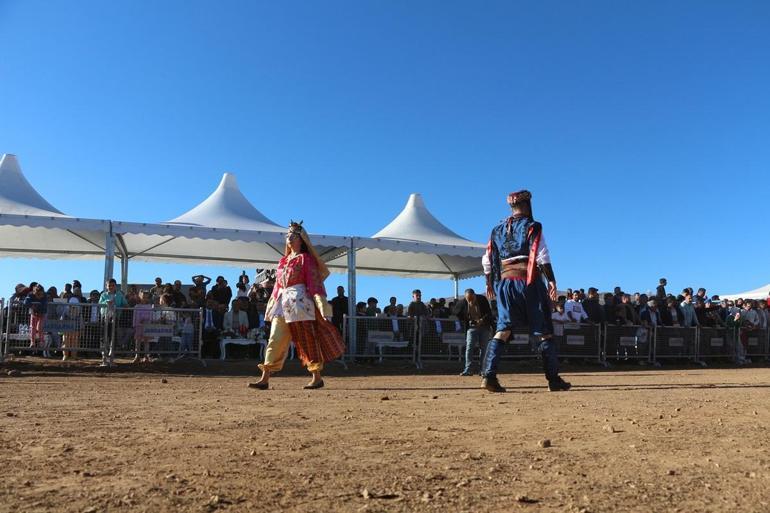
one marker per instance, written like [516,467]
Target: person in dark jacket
[592,307]
[475,313]
[671,315]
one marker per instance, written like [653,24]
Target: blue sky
[640,127]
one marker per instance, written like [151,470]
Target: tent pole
[352,297]
[457,286]
[109,255]
[124,273]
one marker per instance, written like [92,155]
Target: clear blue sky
[642,128]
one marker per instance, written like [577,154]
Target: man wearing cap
[515,263]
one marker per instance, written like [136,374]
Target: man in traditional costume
[515,263]
[297,310]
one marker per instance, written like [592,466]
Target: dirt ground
[176,438]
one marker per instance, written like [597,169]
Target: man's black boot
[492,385]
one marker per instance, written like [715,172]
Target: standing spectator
[672,315]
[689,315]
[592,307]
[71,337]
[111,299]
[748,321]
[574,310]
[339,308]
[391,306]
[475,313]
[197,292]
[701,294]
[626,313]
[618,295]
[67,291]
[221,292]
[212,326]
[610,309]
[660,292]
[371,307]
[132,296]
[177,296]
[417,308]
[37,302]
[650,317]
[142,316]
[442,312]
[559,318]
[236,321]
[157,290]
[240,290]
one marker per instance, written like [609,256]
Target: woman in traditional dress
[297,311]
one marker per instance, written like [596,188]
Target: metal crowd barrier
[675,342]
[159,331]
[383,337]
[438,337]
[716,343]
[756,343]
[575,340]
[627,342]
[74,329]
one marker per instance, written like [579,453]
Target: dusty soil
[77,439]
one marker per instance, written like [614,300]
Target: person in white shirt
[559,318]
[574,309]
[236,320]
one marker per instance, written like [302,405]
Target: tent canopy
[30,227]
[224,229]
[416,245]
[758,293]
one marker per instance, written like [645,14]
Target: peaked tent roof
[224,229]
[415,223]
[31,227]
[416,245]
[759,293]
[17,196]
[227,207]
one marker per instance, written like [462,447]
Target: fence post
[418,333]
[7,330]
[201,320]
[2,329]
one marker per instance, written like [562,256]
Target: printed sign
[380,337]
[572,326]
[676,342]
[520,339]
[717,342]
[61,326]
[158,330]
[454,338]
[753,341]
[627,342]
[576,340]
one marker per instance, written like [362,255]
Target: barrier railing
[71,329]
[383,337]
[675,342]
[627,342]
[438,338]
[2,329]
[715,343]
[144,331]
[576,340]
[755,342]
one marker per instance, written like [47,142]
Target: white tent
[30,227]
[416,245]
[224,229]
[760,293]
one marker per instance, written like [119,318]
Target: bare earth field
[74,438]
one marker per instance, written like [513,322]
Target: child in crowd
[142,315]
[559,318]
[37,302]
[186,332]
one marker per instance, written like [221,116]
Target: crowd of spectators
[228,313]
